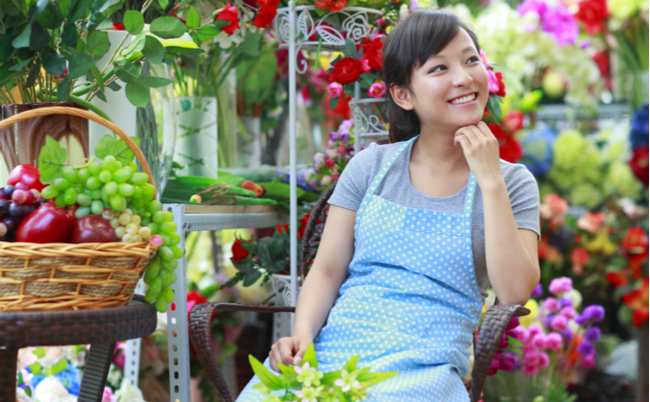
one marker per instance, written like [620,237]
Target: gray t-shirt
[363,167]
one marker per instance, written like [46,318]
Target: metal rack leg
[132,361]
[177,325]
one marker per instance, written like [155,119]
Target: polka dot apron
[411,301]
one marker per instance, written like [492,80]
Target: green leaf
[22,40]
[79,9]
[153,50]
[168,27]
[265,375]
[97,44]
[115,4]
[350,48]
[252,277]
[39,352]
[137,93]
[371,379]
[251,44]
[35,367]
[98,76]
[110,145]
[63,89]
[51,160]
[114,86]
[59,367]
[136,45]
[50,18]
[127,72]
[163,3]
[36,10]
[155,82]
[513,348]
[21,65]
[33,75]
[310,356]
[69,36]
[183,50]
[193,19]
[133,22]
[514,342]
[65,6]
[351,365]
[6,50]
[53,63]
[333,102]
[101,96]
[79,65]
[207,32]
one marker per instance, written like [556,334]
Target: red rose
[173,13]
[284,226]
[118,26]
[602,61]
[266,14]
[331,5]
[502,84]
[373,52]
[636,240]
[238,252]
[639,164]
[229,14]
[514,121]
[329,163]
[346,71]
[592,13]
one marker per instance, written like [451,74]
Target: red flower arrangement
[592,13]
[637,300]
[266,13]
[331,5]
[229,14]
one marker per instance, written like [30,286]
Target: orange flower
[636,240]
[579,258]
[637,300]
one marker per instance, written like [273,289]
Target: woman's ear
[402,97]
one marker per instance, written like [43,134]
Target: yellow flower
[532,305]
[601,244]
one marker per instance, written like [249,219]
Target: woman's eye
[473,59]
[436,68]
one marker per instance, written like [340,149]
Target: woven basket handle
[46,111]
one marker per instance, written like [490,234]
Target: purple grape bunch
[16,202]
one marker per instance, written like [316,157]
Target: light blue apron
[411,301]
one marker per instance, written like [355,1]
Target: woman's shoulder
[515,172]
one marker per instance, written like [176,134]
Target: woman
[418,228]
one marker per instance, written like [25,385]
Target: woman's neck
[436,151]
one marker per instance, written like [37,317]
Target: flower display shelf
[193,218]
[368,123]
[334,27]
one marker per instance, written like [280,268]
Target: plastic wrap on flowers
[538,151]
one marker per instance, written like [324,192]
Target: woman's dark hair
[409,45]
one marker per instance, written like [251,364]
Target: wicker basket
[64,276]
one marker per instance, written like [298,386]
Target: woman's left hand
[481,149]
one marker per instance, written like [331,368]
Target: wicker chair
[492,328]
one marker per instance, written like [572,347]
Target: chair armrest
[494,325]
[201,332]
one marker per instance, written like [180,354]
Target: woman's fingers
[281,352]
[300,349]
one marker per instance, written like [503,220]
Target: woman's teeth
[464,99]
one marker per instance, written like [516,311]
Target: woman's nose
[461,77]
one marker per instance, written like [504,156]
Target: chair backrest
[314,231]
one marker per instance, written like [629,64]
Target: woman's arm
[321,287]
[510,252]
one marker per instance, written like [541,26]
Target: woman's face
[450,90]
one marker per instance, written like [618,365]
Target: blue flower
[640,128]
[538,150]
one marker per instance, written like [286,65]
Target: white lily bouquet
[304,383]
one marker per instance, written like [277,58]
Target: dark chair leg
[95,373]
[8,365]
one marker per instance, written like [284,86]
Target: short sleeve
[524,198]
[354,180]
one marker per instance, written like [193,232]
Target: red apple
[254,187]
[92,229]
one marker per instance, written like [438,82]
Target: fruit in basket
[26,174]
[254,187]
[92,229]
[47,224]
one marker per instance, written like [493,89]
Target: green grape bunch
[125,198]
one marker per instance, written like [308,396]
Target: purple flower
[550,304]
[334,136]
[507,362]
[567,334]
[593,334]
[581,319]
[566,302]
[594,313]
[537,292]
[346,125]
[345,137]
[586,348]
[414,6]
[535,6]
[514,323]
[560,23]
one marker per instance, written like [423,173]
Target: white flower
[129,393]
[403,12]
[225,41]
[309,394]
[331,153]
[575,296]
[51,390]
[348,381]
[308,375]
[21,396]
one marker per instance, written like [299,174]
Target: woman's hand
[481,149]
[288,350]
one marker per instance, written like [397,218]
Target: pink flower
[531,358]
[334,90]
[493,82]
[342,149]
[377,90]
[543,360]
[553,206]
[507,362]
[484,59]
[591,222]
[554,341]
[561,285]
[522,334]
[108,395]
[514,323]
[530,370]
[365,65]
[559,323]
[588,361]
[534,330]
[568,312]
[550,304]
[504,341]
[540,341]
